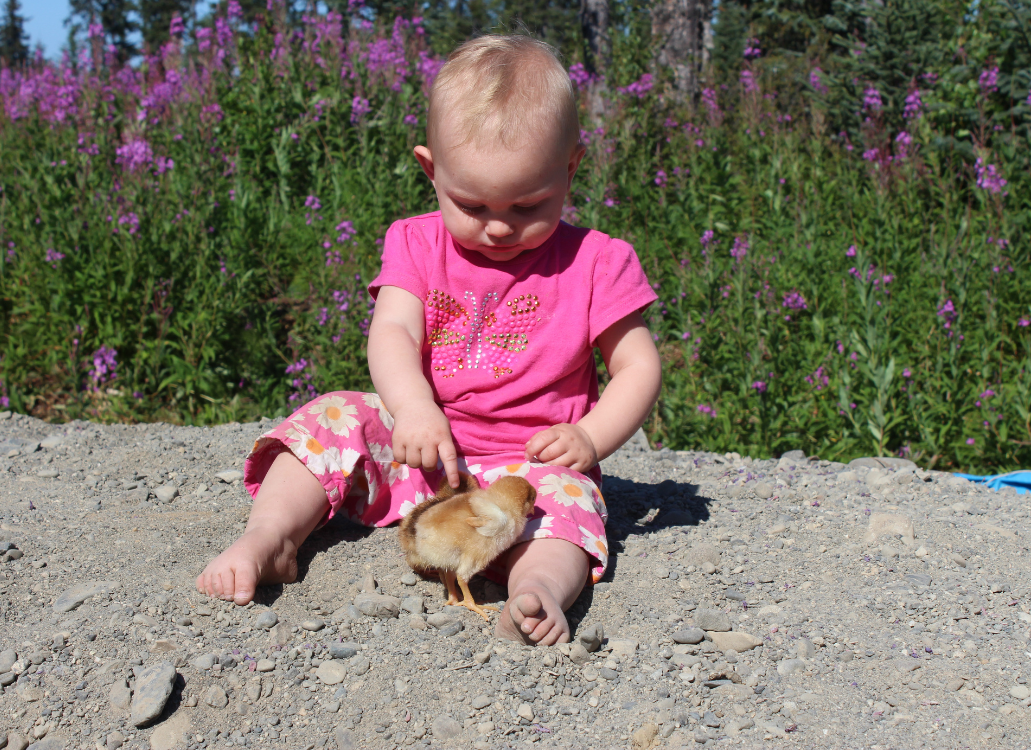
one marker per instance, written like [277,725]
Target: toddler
[481,349]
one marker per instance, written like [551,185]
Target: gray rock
[48,473]
[805,649]
[608,674]
[378,605]
[711,619]
[51,441]
[80,592]
[446,728]
[369,583]
[790,667]
[700,553]
[882,462]
[578,654]
[592,636]
[266,620]
[265,665]
[207,661]
[360,665]
[734,595]
[216,697]
[331,672]
[166,493]
[7,678]
[48,743]
[17,741]
[409,579]
[230,476]
[413,604]
[763,490]
[313,626]
[440,620]
[481,701]
[707,567]
[343,650]
[689,635]
[120,695]
[345,739]
[7,659]
[153,688]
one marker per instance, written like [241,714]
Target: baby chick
[459,532]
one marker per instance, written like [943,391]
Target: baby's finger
[429,457]
[539,442]
[449,457]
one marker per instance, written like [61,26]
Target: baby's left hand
[563,445]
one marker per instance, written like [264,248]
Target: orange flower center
[333,413]
[314,446]
[572,490]
[512,468]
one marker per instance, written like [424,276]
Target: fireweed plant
[190,239]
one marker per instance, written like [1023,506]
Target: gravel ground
[793,602]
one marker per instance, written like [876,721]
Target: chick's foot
[258,556]
[532,615]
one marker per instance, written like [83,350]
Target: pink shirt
[509,346]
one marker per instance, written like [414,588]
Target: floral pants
[344,439]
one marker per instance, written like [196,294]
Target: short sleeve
[403,261]
[619,287]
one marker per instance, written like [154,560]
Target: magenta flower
[851,252]
[914,106]
[105,364]
[581,77]
[989,179]
[359,108]
[819,379]
[707,238]
[794,301]
[53,257]
[709,411]
[816,81]
[660,178]
[872,99]
[752,49]
[759,386]
[740,248]
[638,88]
[176,27]
[989,80]
[1024,322]
[134,155]
[970,441]
[748,82]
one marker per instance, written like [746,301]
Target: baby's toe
[244,584]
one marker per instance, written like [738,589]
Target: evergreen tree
[14,49]
[729,35]
[116,16]
[156,16]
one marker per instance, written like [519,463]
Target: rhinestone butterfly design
[478,334]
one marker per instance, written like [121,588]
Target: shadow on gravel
[338,530]
[640,508]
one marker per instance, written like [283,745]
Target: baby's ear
[425,159]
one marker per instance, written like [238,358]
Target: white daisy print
[567,490]
[373,401]
[408,506]
[318,458]
[595,546]
[539,528]
[348,458]
[384,456]
[335,414]
[511,470]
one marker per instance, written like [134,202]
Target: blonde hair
[498,90]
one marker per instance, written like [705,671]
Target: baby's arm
[421,431]
[633,362]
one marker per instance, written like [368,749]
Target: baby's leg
[544,578]
[289,505]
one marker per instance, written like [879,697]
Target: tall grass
[190,240]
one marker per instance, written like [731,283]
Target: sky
[44,22]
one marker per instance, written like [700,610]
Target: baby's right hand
[421,435]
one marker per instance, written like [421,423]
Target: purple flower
[759,386]
[872,99]
[176,27]
[816,81]
[95,31]
[851,252]
[820,379]
[914,106]
[871,154]
[166,165]
[707,238]
[1024,322]
[203,39]
[134,155]
[638,88]
[740,248]
[660,178]
[53,257]
[904,138]
[748,82]
[359,108]
[581,77]
[989,80]
[794,301]
[709,411]
[411,120]
[906,373]
[428,67]
[105,363]
[234,11]
[970,441]
[988,178]
[752,49]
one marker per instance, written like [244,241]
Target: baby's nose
[497,228]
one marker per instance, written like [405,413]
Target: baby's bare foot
[531,616]
[259,556]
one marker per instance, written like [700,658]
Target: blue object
[1018,480]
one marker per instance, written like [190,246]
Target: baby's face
[500,202]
